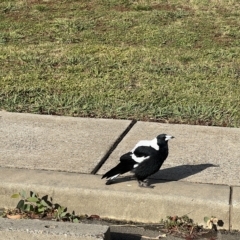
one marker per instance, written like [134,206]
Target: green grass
[169,61]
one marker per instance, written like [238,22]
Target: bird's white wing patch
[111,178]
[138,159]
[135,165]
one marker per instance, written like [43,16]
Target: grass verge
[169,61]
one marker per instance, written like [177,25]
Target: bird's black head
[163,138]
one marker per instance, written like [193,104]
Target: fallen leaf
[162,235]
[215,221]
[175,218]
[206,219]
[18,216]
[209,224]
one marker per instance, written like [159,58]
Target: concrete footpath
[65,157]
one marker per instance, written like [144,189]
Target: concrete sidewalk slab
[41,230]
[192,154]
[56,143]
[88,194]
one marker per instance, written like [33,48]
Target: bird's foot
[144,183]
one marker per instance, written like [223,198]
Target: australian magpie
[143,160]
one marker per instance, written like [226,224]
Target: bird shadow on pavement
[169,174]
[178,172]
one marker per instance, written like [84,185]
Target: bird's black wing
[127,159]
[144,151]
[140,153]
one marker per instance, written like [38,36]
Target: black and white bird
[145,159]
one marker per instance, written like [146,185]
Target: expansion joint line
[115,144]
[230,208]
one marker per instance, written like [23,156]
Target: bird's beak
[168,137]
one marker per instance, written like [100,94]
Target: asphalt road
[134,231]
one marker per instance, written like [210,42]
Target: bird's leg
[144,183]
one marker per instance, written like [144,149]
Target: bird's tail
[119,169]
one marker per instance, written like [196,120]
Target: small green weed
[181,225]
[186,228]
[33,206]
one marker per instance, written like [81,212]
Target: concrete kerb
[235,208]
[87,194]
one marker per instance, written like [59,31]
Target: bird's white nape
[154,144]
[147,143]
[168,137]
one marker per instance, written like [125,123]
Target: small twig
[159,236]
[127,225]
[191,230]
[132,225]
[177,229]
[149,237]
